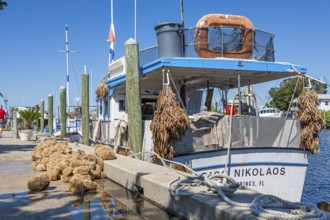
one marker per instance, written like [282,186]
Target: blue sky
[32,31]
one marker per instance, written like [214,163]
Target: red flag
[111,40]
[111,36]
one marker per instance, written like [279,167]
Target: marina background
[32,31]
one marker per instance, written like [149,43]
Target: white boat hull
[277,171]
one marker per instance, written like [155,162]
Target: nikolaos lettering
[270,171]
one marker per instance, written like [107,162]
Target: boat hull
[277,171]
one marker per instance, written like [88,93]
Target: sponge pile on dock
[78,169]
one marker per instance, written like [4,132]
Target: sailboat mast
[67,66]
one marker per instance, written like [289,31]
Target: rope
[294,91]
[299,210]
[262,205]
[162,160]
[229,135]
[176,90]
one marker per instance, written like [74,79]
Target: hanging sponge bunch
[311,120]
[169,123]
[78,169]
[102,90]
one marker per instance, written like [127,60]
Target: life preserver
[201,35]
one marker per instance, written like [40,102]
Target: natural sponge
[38,183]
[104,152]
[76,184]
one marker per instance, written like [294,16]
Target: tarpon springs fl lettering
[247,172]
[243,173]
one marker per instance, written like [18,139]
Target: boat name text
[270,171]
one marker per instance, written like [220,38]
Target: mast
[135,20]
[182,24]
[111,38]
[67,51]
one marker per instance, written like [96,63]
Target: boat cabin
[185,58]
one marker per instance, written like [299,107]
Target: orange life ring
[201,35]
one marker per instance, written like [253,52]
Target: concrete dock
[56,202]
[16,201]
[152,181]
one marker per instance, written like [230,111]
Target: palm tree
[30,115]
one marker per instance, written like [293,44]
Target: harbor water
[317,183]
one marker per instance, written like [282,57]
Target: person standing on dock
[2,120]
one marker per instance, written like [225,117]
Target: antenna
[135,19]
[67,51]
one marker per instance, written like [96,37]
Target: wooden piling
[50,115]
[63,111]
[85,107]
[14,128]
[133,97]
[36,122]
[42,112]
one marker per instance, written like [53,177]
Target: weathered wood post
[63,111]
[36,122]
[50,115]
[85,107]
[15,131]
[133,95]
[42,112]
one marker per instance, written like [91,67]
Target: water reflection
[114,202]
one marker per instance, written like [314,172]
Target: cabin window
[326,103]
[122,105]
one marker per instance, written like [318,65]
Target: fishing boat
[222,54]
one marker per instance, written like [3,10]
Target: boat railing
[220,40]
